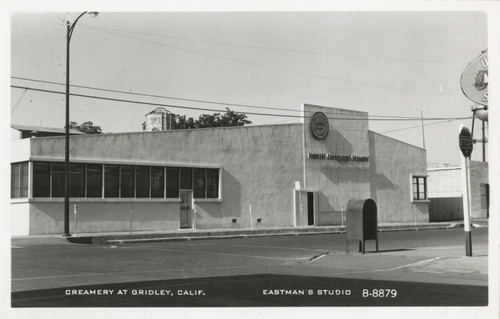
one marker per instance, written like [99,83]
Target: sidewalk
[197,234]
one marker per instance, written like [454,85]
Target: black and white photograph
[255,160]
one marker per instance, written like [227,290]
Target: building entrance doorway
[310,208]
[306,207]
[186,197]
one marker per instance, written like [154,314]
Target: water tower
[158,120]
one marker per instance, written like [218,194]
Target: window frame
[19,180]
[108,180]
[417,185]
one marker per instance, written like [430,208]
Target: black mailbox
[361,222]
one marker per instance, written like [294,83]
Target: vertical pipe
[76,221]
[423,133]
[130,211]
[66,144]
[251,219]
[484,143]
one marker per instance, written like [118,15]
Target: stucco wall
[46,217]
[259,165]
[20,150]
[19,218]
[337,181]
[391,164]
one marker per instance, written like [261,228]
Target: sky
[389,64]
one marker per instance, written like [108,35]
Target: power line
[13,108]
[205,109]
[274,68]
[247,46]
[419,126]
[197,100]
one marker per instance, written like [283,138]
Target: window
[94,180]
[118,181]
[186,178]
[41,179]
[142,181]
[58,179]
[157,182]
[77,180]
[24,179]
[19,180]
[127,181]
[15,181]
[419,187]
[172,177]
[111,181]
[199,183]
[212,183]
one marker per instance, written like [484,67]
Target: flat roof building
[284,175]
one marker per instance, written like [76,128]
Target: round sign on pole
[465,141]
[474,80]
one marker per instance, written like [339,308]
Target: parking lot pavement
[446,265]
[410,262]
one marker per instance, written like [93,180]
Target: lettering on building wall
[337,157]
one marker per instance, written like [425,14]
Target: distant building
[158,120]
[445,192]
[27,131]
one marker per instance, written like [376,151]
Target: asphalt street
[411,268]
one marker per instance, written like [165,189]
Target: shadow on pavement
[262,290]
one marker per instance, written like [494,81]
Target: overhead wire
[199,100]
[247,46]
[13,108]
[419,126]
[272,67]
[206,109]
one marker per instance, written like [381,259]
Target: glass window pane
[15,189]
[58,179]
[94,180]
[111,181]
[127,181]
[24,179]
[212,183]
[186,178]
[199,183]
[77,180]
[41,179]
[172,177]
[157,182]
[142,181]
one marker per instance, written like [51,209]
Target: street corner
[455,265]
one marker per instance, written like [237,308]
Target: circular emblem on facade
[319,125]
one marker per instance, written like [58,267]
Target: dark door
[310,208]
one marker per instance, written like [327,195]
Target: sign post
[466,143]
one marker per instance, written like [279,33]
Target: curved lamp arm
[71,27]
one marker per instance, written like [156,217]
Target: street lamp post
[70,28]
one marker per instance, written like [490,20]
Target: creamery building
[283,175]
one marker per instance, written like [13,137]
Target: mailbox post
[361,222]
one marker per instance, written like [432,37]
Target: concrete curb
[187,235]
[228,234]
